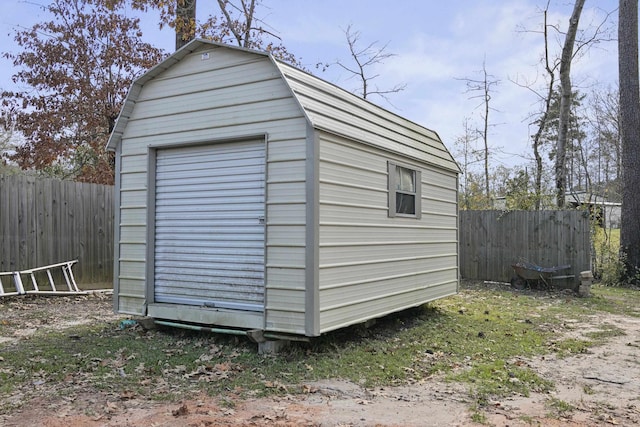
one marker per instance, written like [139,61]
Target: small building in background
[606,213]
[253,196]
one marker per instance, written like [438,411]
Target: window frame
[392,168]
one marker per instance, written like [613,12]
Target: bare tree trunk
[565,102]
[465,145]
[484,87]
[485,134]
[543,120]
[630,132]
[185,22]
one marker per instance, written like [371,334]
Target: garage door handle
[261,219]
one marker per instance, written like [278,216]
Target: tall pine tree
[630,133]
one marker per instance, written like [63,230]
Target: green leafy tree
[574,159]
[473,196]
[518,194]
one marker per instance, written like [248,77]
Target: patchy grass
[479,337]
[559,407]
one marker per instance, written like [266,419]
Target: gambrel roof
[326,106]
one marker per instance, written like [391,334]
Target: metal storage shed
[252,196]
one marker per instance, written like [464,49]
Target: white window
[404,191]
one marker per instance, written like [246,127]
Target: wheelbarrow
[528,273]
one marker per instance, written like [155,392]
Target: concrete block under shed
[586,279]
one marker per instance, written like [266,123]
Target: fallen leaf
[275,384]
[306,388]
[127,395]
[110,407]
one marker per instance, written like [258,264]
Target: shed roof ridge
[291,76]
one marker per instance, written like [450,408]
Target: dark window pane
[406,204]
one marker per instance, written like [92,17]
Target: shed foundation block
[272,347]
[586,279]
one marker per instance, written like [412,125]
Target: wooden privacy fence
[47,221]
[490,241]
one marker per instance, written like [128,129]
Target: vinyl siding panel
[286,193]
[276,130]
[286,257]
[288,278]
[285,235]
[133,197]
[236,73]
[134,180]
[283,150]
[370,264]
[129,287]
[135,163]
[290,171]
[221,57]
[211,98]
[132,255]
[258,112]
[286,319]
[130,304]
[348,194]
[133,217]
[286,213]
[134,251]
[338,254]
[133,269]
[355,310]
[346,233]
[414,285]
[285,300]
[233,94]
[133,233]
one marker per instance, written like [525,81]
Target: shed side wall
[371,264]
[231,95]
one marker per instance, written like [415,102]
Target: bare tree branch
[364,58]
[484,88]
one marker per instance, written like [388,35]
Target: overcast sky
[437,45]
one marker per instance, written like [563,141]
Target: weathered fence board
[490,241]
[46,221]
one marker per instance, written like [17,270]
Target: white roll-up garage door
[209,225]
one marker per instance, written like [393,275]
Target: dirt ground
[602,386]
